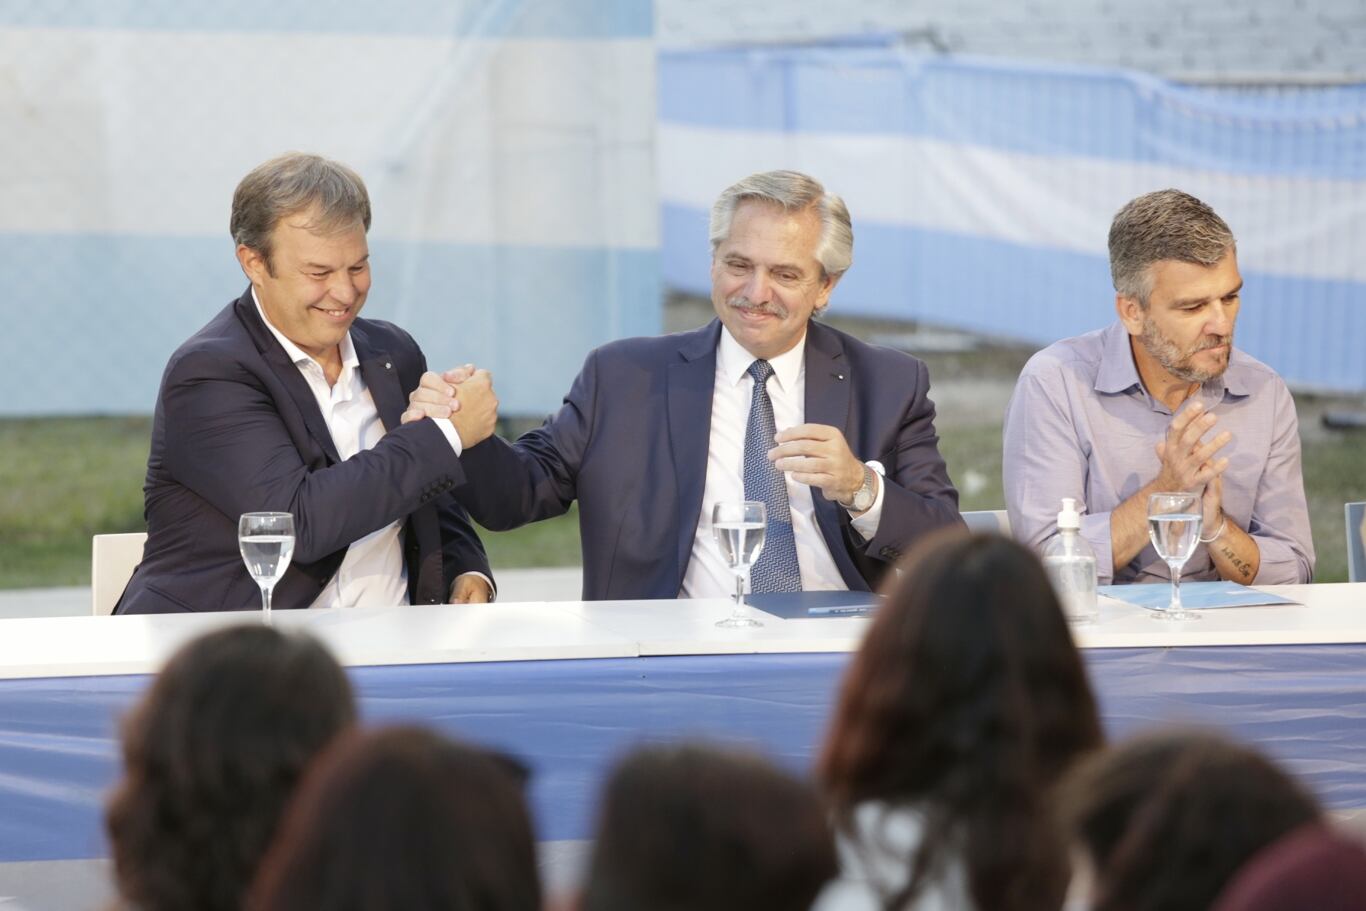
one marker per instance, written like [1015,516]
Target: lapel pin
[839,376]
[388,365]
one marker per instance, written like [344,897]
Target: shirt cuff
[866,524]
[493,589]
[452,437]
[1278,563]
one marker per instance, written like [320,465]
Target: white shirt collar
[297,354]
[733,361]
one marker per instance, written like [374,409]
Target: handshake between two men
[816,455]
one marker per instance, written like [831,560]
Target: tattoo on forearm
[1240,565]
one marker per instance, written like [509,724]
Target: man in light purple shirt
[1160,401]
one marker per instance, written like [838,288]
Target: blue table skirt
[1305,705]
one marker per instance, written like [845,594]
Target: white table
[446,634]
[570,685]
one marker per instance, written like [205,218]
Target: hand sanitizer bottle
[1071,565]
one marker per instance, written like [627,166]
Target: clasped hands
[1188,463]
[464,396]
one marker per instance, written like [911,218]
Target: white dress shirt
[708,575]
[373,573]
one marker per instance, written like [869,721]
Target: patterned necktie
[776,569]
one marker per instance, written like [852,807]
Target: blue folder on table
[1194,595]
[801,605]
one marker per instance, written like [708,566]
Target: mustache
[1213,341]
[772,308]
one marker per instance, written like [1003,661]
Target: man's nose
[758,289]
[1221,319]
[342,288]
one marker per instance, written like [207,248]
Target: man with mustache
[764,403]
[1162,401]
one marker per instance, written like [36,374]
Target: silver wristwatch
[863,498]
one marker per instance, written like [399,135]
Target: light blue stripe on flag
[562,19]
[529,314]
[1309,330]
[1035,109]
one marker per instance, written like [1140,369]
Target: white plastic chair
[112,561]
[996,521]
[1356,550]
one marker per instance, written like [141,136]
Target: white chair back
[996,521]
[112,561]
[1356,550]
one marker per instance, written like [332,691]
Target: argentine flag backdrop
[507,145]
[982,191]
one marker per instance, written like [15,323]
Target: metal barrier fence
[982,191]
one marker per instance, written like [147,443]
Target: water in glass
[740,543]
[739,531]
[1174,522]
[266,540]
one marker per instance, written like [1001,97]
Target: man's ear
[828,284]
[252,263]
[1130,312]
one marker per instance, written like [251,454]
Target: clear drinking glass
[266,540]
[739,530]
[1174,521]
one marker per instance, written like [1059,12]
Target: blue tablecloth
[1305,705]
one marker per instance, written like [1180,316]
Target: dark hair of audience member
[211,755]
[1166,819]
[693,827]
[404,818]
[967,701]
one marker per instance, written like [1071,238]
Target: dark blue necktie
[776,569]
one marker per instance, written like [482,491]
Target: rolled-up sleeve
[1280,514]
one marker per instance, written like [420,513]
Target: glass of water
[739,530]
[1174,521]
[267,543]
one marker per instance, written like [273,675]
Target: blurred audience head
[211,754]
[966,702]
[699,828]
[1312,869]
[404,818]
[1164,820]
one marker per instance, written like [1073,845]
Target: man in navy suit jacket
[654,430]
[287,402]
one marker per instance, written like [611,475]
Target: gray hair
[294,183]
[1166,224]
[795,192]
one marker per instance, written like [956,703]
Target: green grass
[65,479]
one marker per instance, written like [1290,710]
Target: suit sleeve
[512,484]
[919,495]
[461,550]
[227,442]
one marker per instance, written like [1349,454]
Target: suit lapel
[381,378]
[829,388]
[426,570]
[288,374]
[690,382]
